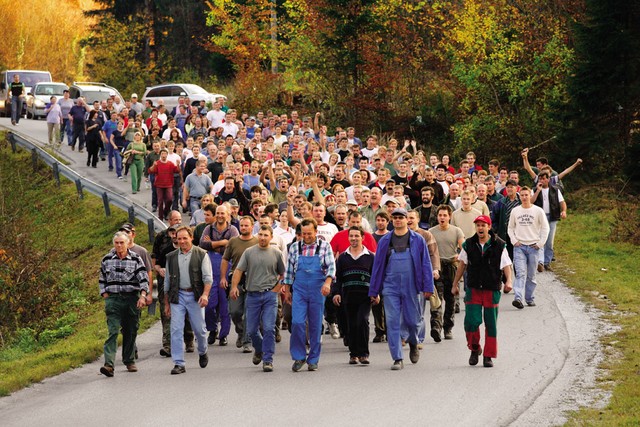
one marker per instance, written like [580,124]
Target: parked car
[170,93]
[40,95]
[92,91]
[28,77]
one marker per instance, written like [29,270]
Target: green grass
[81,235]
[595,266]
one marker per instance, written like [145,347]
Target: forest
[492,76]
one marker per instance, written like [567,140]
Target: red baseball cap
[483,218]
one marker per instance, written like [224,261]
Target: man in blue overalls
[311,268]
[401,271]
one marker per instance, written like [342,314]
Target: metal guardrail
[133,209]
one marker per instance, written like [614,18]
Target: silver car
[170,92]
[40,95]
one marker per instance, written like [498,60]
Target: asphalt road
[547,359]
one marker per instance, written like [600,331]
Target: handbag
[129,159]
[434,300]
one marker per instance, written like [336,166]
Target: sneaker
[212,337]
[257,358]
[223,342]
[333,330]
[531,303]
[165,352]
[246,348]
[297,365]
[540,268]
[364,360]
[177,369]
[239,342]
[107,371]
[414,353]
[267,367]
[120,178]
[190,348]
[448,335]
[473,358]
[487,362]
[435,334]
[132,368]
[312,367]
[517,304]
[203,360]
[353,360]
[397,365]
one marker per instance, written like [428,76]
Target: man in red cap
[484,256]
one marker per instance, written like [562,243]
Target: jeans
[548,245]
[186,305]
[262,308]
[78,134]
[525,262]
[110,155]
[118,158]
[237,312]
[66,129]
[16,108]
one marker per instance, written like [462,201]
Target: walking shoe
[487,362]
[257,358]
[540,268]
[132,368]
[80,150]
[203,360]
[397,365]
[531,303]
[547,267]
[165,352]
[414,353]
[190,348]
[107,371]
[457,307]
[223,342]
[473,359]
[297,365]
[420,346]
[448,335]
[239,342]
[177,369]
[378,338]
[333,330]
[435,334]
[364,360]
[13,122]
[312,367]
[278,336]
[345,341]
[120,178]
[267,367]
[353,360]
[212,337]
[73,148]
[135,355]
[517,304]
[246,348]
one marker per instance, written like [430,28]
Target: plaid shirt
[123,275]
[327,261]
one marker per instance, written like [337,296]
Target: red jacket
[164,173]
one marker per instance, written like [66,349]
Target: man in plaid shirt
[124,285]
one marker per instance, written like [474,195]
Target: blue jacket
[421,264]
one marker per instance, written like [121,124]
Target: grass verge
[80,235]
[605,273]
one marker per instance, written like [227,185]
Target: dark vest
[195,273]
[483,270]
[554,203]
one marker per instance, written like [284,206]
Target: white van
[28,77]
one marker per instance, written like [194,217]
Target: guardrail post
[105,201]
[151,229]
[132,214]
[56,173]
[79,188]
[34,159]
[12,141]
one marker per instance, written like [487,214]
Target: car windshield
[95,95]
[56,90]
[193,89]
[30,79]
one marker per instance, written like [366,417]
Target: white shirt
[215,118]
[167,133]
[229,129]
[544,192]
